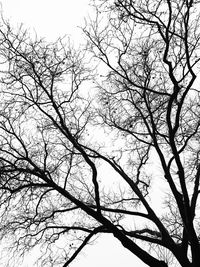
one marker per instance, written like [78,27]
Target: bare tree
[149,96]
[54,193]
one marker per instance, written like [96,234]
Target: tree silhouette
[74,165]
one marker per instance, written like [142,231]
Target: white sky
[52,19]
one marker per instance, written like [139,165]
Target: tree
[54,193]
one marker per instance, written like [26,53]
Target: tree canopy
[104,139]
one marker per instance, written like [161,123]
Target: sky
[51,19]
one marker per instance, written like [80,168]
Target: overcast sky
[52,19]
[49,18]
